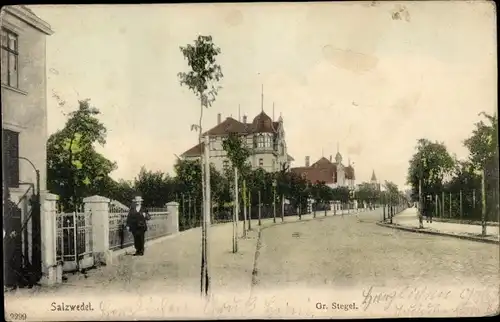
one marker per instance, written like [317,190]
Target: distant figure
[137,224]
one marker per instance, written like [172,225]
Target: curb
[436,233]
[465,222]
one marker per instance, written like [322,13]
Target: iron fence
[462,206]
[120,237]
[74,246]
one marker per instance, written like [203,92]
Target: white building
[263,136]
[24,98]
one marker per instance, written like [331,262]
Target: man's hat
[138,199]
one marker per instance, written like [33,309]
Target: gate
[22,241]
[74,240]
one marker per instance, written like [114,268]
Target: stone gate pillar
[99,208]
[173,217]
[51,269]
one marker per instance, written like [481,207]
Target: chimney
[330,158]
[219,117]
[307,161]
[244,118]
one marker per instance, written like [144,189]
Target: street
[301,264]
[334,254]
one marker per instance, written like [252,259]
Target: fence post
[173,217]
[461,209]
[98,206]
[442,204]
[51,269]
[450,204]
[436,199]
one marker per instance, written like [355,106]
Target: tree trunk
[483,203]
[249,210]
[282,208]
[260,223]
[244,196]
[235,212]
[205,281]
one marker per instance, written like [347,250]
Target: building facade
[333,173]
[24,99]
[263,136]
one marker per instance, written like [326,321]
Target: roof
[374,178]
[314,175]
[229,125]
[195,151]
[323,162]
[262,123]
[27,15]
[324,170]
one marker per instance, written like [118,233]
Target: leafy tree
[201,80]
[483,143]
[430,163]
[368,193]
[188,177]
[298,191]
[238,154]
[74,168]
[156,188]
[483,154]
[341,194]
[121,190]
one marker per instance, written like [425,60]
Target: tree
[121,190]
[483,143]
[483,154]
[368,193]
[392,192]
[341,194]
[430,163]
[238,154]
[202,80]
[74,168]
[156,188]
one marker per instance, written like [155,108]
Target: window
[9,58]
[261,162]
[11,158]
[225,164]
[212,142]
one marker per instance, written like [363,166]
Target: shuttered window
[10,157]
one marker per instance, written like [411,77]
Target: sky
[372,77]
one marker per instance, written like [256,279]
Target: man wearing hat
[137,224]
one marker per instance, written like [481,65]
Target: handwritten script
[426,301]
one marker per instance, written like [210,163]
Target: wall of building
[24,110]
[270,162]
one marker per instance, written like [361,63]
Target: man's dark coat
[137,220]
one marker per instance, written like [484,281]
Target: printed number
[18,316]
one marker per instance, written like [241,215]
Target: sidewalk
[409,219]
[173,265]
